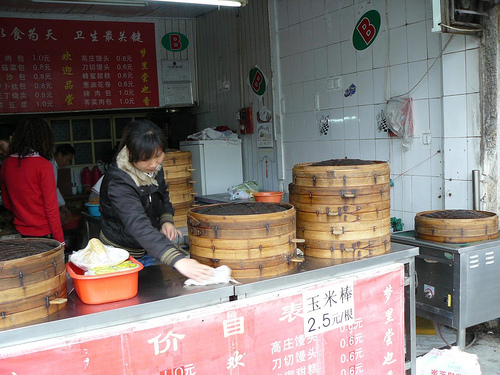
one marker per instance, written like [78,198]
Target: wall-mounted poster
[51,65]
[265,135]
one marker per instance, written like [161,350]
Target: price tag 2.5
[328,307]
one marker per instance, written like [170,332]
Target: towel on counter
[221,275]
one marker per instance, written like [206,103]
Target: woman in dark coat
[136,211]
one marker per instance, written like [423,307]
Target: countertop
[162,292]
[225,198]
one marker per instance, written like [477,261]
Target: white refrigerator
[217,164]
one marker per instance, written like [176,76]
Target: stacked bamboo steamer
[343,208]
[32,280]
[456,226]
[253,239]
[178,171]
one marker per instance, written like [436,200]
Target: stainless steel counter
[162,292]
[457,283]
[313,269]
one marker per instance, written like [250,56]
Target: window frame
[113,132]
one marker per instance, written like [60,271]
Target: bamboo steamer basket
[343,208]
[253,239]
[456,226]
[32,280]
[178,172]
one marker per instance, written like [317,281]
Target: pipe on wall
[476,194]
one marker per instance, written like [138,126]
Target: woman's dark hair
[143,139]
[33,135]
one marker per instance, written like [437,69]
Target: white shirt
[60,199]
[97,187]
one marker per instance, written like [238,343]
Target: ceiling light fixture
[226,3]
[94,2]
[222,3]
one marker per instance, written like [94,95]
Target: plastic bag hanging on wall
[399,116]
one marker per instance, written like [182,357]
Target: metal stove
[457,285]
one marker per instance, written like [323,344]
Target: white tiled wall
[315,44]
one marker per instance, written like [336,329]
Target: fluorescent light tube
[227,3]
[223,3]
[94,2]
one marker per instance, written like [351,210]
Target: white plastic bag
[243,191]
[399,115]
[88,257]
[211,133]
[448,361]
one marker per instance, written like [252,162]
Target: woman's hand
[169,230]
[193,269]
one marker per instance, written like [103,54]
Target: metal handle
[194,222]
[337,232]
[58,301]
[337,213]
[345,194]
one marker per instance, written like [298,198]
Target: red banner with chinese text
[258,335]
[70,65]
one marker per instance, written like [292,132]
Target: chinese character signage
[67,65]
[346,326]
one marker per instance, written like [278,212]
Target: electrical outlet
[426,138]
[333,83]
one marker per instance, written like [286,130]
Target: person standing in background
[28,183]
[5,136]
[4,147]
[62,158]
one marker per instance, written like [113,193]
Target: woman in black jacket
[136,211]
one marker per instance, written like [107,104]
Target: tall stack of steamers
[343,208]
[340,209]
[178,172]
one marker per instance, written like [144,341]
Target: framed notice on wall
[176,71]
[69,65]
[178,93]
